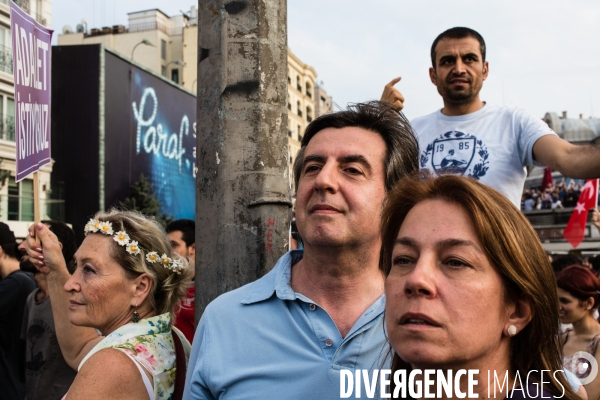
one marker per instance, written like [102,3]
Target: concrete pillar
[243,191]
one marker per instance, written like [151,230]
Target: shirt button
[312,307]
[329,343]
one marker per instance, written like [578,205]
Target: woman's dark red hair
[580,282]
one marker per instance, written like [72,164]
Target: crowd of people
[560,195]
[412,255]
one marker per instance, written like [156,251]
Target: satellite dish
[67,30]
[79,28]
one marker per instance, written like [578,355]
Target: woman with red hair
[579,297]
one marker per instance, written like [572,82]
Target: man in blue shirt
[288,334]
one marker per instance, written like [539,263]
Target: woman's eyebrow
[90,260]
[452,242]
[406,241]
[459,242]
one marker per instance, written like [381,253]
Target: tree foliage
[142,198]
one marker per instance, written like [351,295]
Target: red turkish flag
[547,181]
[575,230]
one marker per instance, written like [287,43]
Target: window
[163,49]
[299,133]
[299,108]
[298,85]
[308,114]
[175,75]
[308,90]
[6,63]
[163,70]
[7,118]
[20,200]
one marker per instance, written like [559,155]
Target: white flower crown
[132,246]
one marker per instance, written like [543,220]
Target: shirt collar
[276,281]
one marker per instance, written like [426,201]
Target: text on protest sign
[31,70]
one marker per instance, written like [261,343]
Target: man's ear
[192,251]
[486,70]
[520,314]
[433,75]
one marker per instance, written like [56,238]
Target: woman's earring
[512,330]
[135,317]
[588,307]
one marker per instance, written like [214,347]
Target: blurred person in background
[596,219]
[182,235]
[126,285]
[469,286]
[562,261]
[48,376]
[15,286]
[579,297]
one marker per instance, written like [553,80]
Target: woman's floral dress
[150,342]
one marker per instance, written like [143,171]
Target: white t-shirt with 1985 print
[493,145]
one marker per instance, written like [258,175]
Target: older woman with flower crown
[113,316]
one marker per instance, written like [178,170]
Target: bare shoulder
[108,374]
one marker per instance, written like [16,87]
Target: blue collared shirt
[265,341]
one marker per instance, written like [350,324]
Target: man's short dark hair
[11,250]
[65,236]
[402,155]
[458,32]
[187,228]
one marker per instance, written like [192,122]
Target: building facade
[152,39]
[16,198]
[173,53]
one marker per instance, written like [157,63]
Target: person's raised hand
[392,95]
[47,255]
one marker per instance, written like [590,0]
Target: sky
[543,56]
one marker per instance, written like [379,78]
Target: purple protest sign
[31,70]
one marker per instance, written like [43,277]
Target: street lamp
[176,62]
[145,41]
[179,63]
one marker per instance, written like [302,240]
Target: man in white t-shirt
[490,143]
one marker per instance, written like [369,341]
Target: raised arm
[579,162]
[392,95]
[75,341]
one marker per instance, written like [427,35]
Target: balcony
[24,4]
[6,60]
[151,26]
[40,19]
[550,224]
[7,128]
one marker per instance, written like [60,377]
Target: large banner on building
[149,130]
[31,68]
